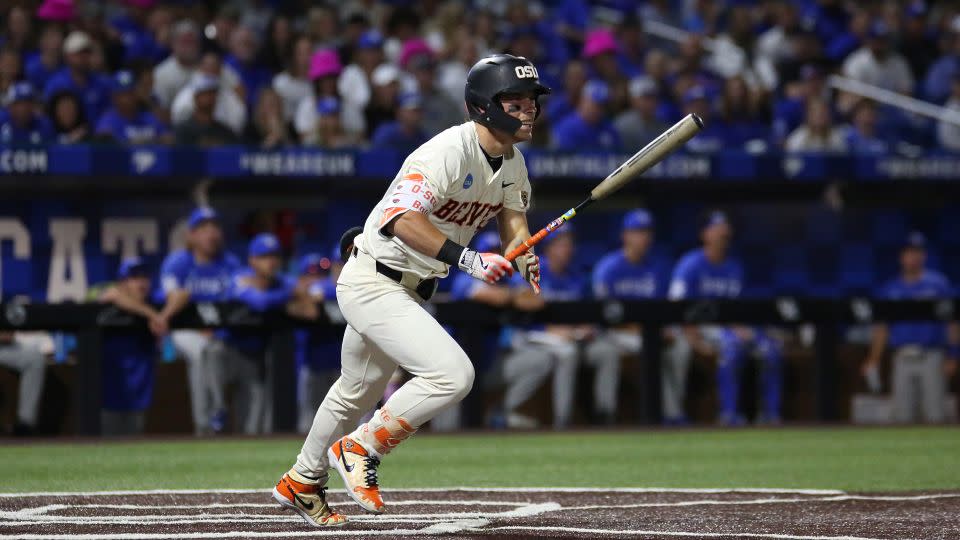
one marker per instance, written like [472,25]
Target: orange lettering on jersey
[413,177]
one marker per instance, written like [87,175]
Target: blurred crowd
[390,73]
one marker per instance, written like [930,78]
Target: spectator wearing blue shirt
[588,128]
[714,135]
[563,100]
[789,110]
[202,272]
[135,36]
[78,77]
[19,122]
[936,85]
[863,136]
[605,61]
[741,117]
[711,272]
[921,374]
[243,59]
[404,133]
[630,273]
[126,121]
[38,68]
[128,361]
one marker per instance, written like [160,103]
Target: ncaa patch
[524,198]
[468,181]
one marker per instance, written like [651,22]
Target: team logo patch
[524,198]
[468,181]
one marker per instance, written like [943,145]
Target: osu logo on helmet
[526,72]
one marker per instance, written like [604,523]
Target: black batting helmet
[494,76]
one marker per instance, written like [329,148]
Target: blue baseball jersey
[574,133]
[205,282]
[38,131]
[929,334]
[94,95]
[318,349]
[566,287]
[275,296]
[142,128]
[127,370]
[391,135]
[696,277]
[37,72]
[616,277]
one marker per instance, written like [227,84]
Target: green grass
[841,458]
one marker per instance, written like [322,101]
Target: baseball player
[920,372]
[30,362]
[711,272]
[445,191]
[629,273]
[200,273]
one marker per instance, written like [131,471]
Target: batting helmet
[494,76]
[346,241]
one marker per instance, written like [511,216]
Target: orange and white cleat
[308,500]
[358,468]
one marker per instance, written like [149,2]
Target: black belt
[425,289]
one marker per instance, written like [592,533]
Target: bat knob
[698,120]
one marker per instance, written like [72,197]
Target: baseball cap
[384,74]
[694,93]
[371,39]
[56,10]
[327,106]
[20,91]
[642,86]
[313,264]
[205,83]
[878,29]
[324,63]
[77,41]
[264,244]
[122,81]
[638,219]
[599,42]
[915,240]
[346,242]
[487,242]
[597,91]
[409,100]
[416,54]
[715,217]
[132,266]
[201,215]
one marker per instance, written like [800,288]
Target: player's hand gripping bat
[647,157]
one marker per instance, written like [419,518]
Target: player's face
[560,252]
[266,265]
[524,108]
[637,241]
[912,260]
[207,238]
[718,235]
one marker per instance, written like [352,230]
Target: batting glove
[488,267]
[528,265]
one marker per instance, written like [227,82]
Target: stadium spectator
[322,26]
[127,365]
[712,272]
[258,16]
[790,108]
[39,67]
[600,50]
[79,77]
[244,45]
[20,123]
[632,45]
[948,135]
[729,56]
[817,134]
[238,358]
[127,121]
[229,110]
[925,354]
[939,78]
[56,11]
[318,347]
[330,132]
[68,117]
[877,63]
[439,111]
[381,109]
[917,42]
[134,30]
[845,42]
[354,83]
[402,26]
[452,74]
[202,272]
[292,84]
[773,46]
[277,46]
[173,74]
[743,121]
[405,133]
[629,273]
[203,129]
[715,135]
[31,365]
[218,31]
[352,29]
[10,68]
[18,31]
[639,124]
[587,128]
[863,136]
[325,68]
[563,100]
[269,128]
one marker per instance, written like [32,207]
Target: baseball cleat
[358,468]
[308,500]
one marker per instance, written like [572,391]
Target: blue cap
[487,242]
[313,264]
[878,29]
[916,9]
[694,93]
[200,215]
[20,91]
[915,240]
[132,266]
[205,83]
[123,81]
[328,106]
[638,219]
[371,39]
[566,228]
[263,244]
[410,100]
[597,91]
[716,217]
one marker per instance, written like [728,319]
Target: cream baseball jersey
[449,180]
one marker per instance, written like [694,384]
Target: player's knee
[463,379]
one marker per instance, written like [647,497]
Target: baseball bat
[648,156]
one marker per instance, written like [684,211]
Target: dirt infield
[481,513]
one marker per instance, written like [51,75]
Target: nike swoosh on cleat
[306,506]
[349,468]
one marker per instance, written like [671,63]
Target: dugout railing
[91,322]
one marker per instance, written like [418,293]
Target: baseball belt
[425,288]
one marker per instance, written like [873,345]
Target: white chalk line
[518,489]
[717,502]
[619,532]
